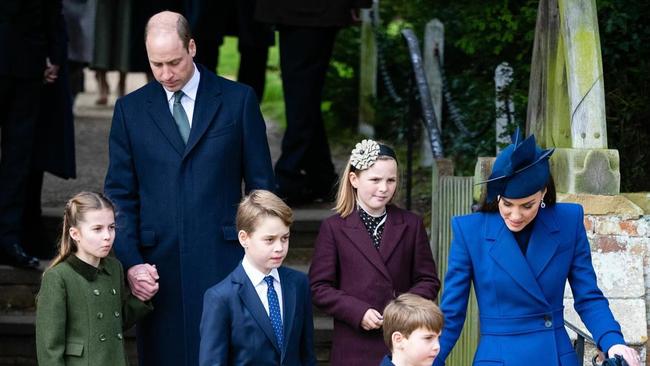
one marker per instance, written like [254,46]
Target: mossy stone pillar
[567,99]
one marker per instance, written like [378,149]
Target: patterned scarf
[374,225]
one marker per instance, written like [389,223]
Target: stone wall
[619,235]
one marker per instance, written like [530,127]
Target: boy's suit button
[117,314]
[119,335]
[100,315]
[102,338]
[96,292]
[114,291]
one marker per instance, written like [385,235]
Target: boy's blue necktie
[274,310]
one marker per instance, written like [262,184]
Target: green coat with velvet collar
[81,313]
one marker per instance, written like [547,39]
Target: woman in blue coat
[519,251]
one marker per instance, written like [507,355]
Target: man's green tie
[180,116]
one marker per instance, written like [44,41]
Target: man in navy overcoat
[177,191]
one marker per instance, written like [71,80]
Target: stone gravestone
[505,107]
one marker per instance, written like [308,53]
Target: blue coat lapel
[251,300]
[158,109]
[506,253]
[358,235]
[208,102]
[543,242]
[289,294]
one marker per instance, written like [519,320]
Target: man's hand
[372,319]
[51,72]
[143,280]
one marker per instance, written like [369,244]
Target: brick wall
[620,246]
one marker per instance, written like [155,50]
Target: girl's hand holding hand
[629,354]
[143,280]
[372,319]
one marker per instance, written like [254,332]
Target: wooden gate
[454,197]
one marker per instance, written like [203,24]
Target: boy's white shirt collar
[255,275]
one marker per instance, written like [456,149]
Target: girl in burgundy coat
[367,254]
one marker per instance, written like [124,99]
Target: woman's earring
[542,205]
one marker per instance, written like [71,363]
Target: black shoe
[14,255]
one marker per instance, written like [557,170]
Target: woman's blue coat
[520,298]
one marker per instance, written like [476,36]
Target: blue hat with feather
[520,170]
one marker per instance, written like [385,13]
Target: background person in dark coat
[32,52]
[211,20]
[53,151]
[307,29]
[176,201]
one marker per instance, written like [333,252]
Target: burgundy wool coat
[349,276]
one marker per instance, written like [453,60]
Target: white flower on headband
[364,154]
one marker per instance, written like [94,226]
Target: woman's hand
[630,355]
[372,319]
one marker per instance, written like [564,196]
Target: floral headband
[366,153]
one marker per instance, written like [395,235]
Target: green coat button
[96,292]
[114,291]
[100,315]
[117,314]
[119,335]
[102,338]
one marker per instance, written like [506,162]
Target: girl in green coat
[83,306]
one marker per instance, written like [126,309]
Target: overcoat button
[100,315]
[96,292]
[114,292]
[102,338]
[548,324]
[119,335]
[117,314]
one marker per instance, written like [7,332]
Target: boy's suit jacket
[236,329]
[349,276]
[521,297]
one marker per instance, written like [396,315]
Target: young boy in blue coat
[261,313]
[412,325]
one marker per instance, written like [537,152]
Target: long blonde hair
[74,213]
[346,196]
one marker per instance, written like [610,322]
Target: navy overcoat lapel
[506,253]
[289,299]
[158,108]
[393,232]
[358,235]
[208,102]
[251,300]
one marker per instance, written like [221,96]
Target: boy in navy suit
[261,313]
[412,325]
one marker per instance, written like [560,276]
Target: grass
[273,102]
